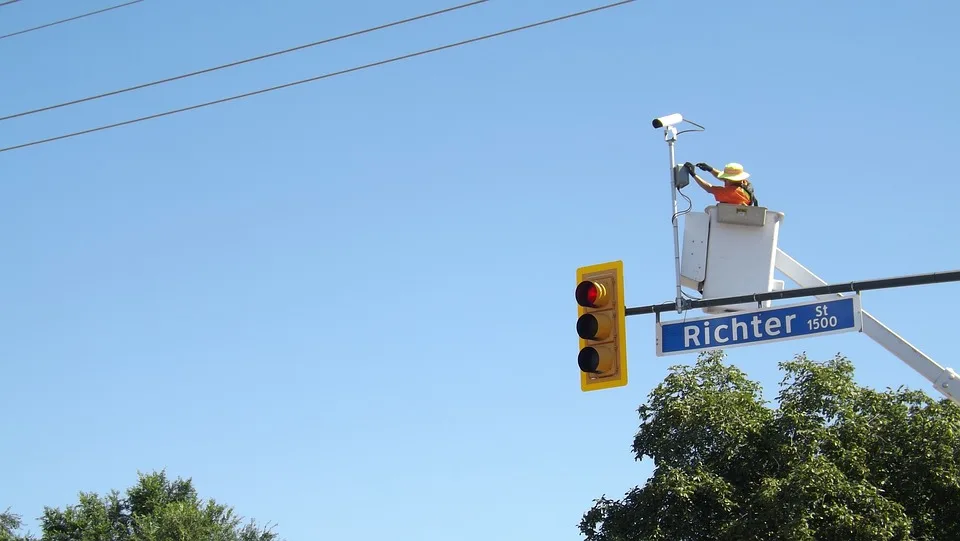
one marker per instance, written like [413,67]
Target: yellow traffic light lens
[596,360]
[594,326]
[591,294]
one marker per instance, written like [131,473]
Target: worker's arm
[707,187]
[709,168]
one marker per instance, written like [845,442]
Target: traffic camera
[668,121]
[601,325]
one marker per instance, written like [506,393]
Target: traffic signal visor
[601,325]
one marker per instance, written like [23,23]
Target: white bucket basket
[730,250]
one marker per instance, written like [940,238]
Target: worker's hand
[705,167]
[690,168]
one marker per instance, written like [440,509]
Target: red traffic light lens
[589,294]
[592,294]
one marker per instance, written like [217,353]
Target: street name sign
[759,326]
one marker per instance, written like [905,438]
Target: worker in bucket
[736,189]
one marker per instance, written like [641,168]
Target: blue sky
[346,307]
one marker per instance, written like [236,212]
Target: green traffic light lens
[589,360]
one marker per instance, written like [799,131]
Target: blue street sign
[759,326]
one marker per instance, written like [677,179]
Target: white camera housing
[669,120]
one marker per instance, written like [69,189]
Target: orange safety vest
[734,195]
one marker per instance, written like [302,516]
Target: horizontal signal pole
[866,285]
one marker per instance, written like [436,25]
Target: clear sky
[347,307]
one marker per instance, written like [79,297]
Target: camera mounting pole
[668,123]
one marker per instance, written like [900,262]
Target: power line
[61,21]
[319,77]
[8,2]
[248,60]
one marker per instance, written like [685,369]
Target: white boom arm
[944,380]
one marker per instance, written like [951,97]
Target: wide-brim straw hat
[733,172]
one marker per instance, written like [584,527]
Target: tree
[155,509]
[10,523]
[832,461]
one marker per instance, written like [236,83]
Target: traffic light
[601,326]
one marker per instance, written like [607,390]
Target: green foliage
[155,509]
[833,460]
[9,525]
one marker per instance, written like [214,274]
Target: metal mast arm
[943,379]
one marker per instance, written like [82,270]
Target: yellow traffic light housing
[601,326]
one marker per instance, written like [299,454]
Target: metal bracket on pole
[945,380]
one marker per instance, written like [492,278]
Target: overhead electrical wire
[8,2]
[319,77]
[245,61]
[61,21]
